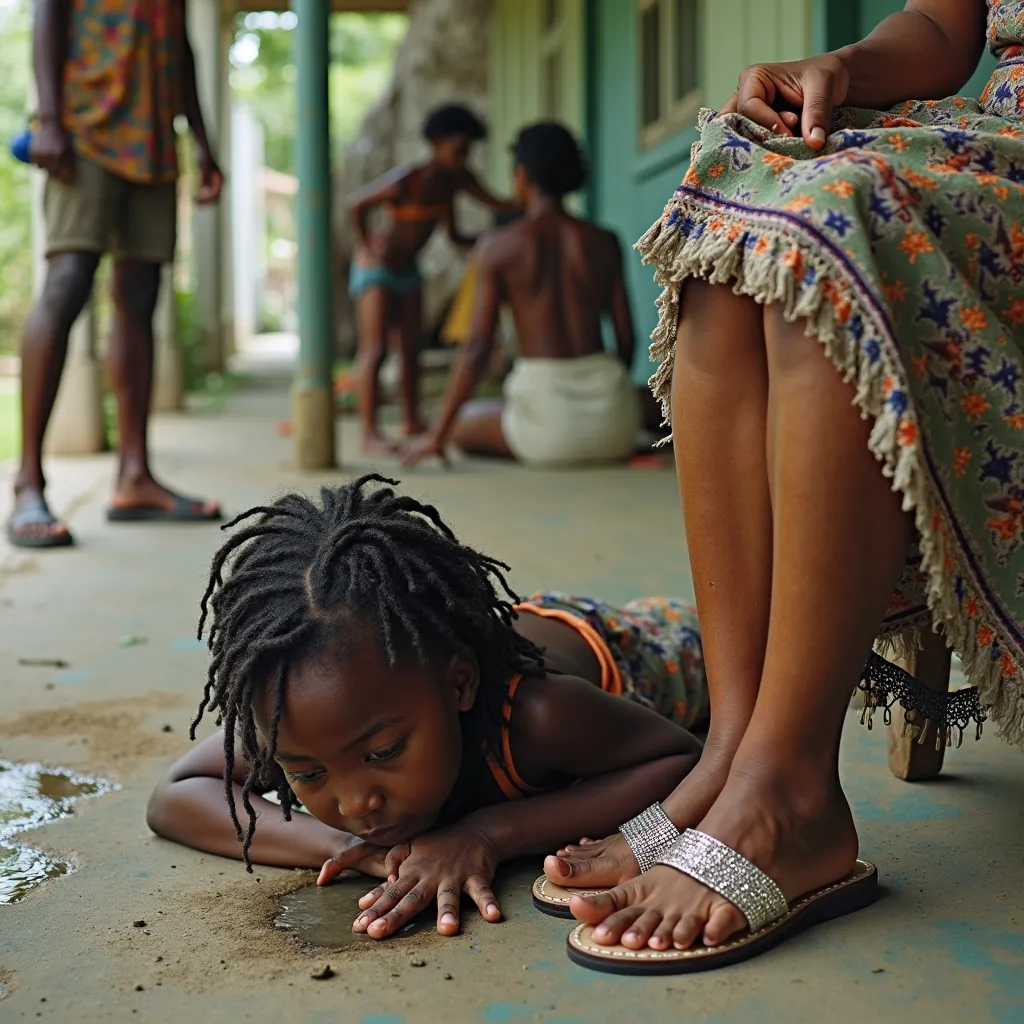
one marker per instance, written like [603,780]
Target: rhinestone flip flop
[750,890]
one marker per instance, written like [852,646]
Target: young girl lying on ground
[377,670]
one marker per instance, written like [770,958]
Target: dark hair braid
[301,574]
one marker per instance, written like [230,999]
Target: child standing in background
[385,282]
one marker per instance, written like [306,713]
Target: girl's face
[452,152]
[369,749]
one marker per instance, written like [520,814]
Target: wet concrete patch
[323,915]
[30,796]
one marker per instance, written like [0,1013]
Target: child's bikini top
[416,212]
[509,781]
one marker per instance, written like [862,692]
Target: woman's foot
[800,839]
[609,861]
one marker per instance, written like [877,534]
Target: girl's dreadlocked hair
[302,573]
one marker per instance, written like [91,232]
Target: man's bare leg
[719,411]
[477,431]
[69,277]
[134,289]
[840,538]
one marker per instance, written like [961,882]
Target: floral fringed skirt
[902,245]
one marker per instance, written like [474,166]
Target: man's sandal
[770,918]
[648,835]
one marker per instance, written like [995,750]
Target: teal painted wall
[630,185]
[628,189]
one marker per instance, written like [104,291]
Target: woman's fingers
[817,106]
[448,895]
[479,890]
[755,109]
[731,105]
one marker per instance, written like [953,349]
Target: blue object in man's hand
[21,146]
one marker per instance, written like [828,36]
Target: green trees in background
[15,198]
[263,74]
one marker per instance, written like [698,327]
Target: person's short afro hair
[453,119]
[551,157]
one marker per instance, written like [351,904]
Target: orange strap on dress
[509,781]
[611,676]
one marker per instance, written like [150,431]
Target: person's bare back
[566,400]
[559,276]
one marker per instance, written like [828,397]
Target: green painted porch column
[312,400]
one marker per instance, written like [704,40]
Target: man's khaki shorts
[102,213]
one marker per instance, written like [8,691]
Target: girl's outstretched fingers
[367,901]
[448,895]
[480,893]
[330,871]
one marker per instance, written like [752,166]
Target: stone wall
[442,59]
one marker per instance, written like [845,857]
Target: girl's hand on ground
[593,863]
[355,855]
[815,86]
[439,865]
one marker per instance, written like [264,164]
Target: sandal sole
[553,900]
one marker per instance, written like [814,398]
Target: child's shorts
[654,643]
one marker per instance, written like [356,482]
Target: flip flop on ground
[553,899]
[182,510]
[33,525]
[772,920]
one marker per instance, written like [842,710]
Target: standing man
[111,76]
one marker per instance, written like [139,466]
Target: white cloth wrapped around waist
[570,411]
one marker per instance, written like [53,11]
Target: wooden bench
[914,757]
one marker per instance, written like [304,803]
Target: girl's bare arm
[189,806]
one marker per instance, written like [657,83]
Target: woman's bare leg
[840,538]
[372,315]
[719,412]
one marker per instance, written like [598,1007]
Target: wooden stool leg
[909,758]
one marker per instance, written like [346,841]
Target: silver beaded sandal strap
[753,893]
[648,834]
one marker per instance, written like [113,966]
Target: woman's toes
[593,909]
[662,937]
[687,931]
[724,920]
[637,936]
[610,931]
[556,868]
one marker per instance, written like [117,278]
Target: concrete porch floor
[945,942]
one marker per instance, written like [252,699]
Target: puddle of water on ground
[30,796]
[323,915]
